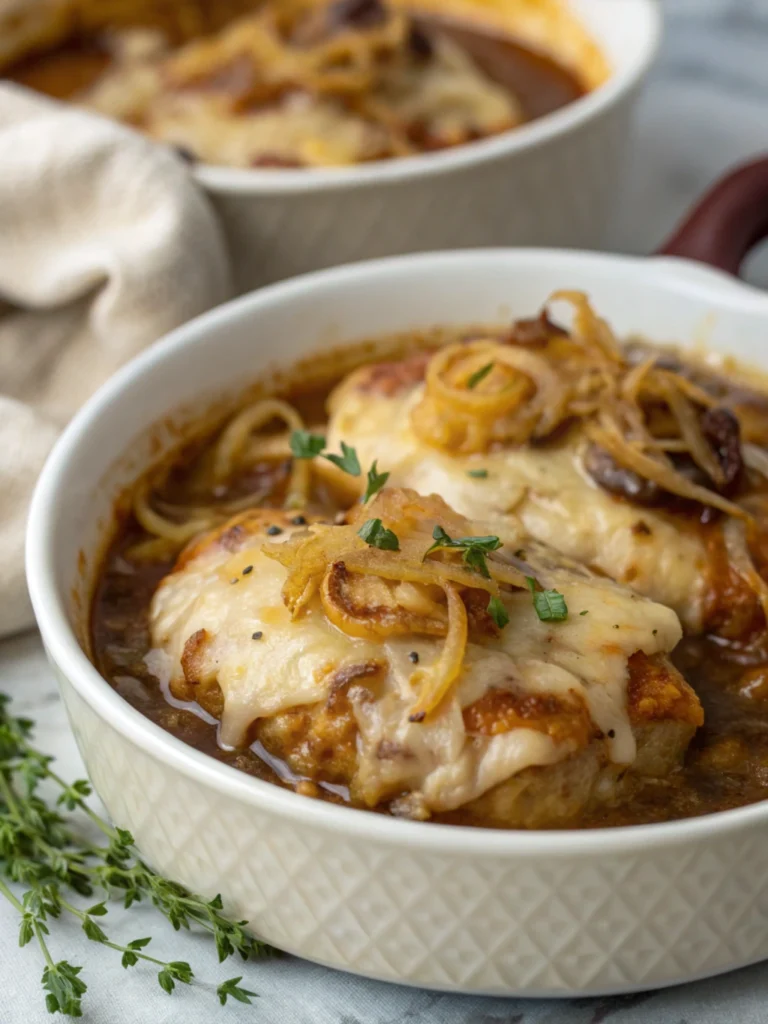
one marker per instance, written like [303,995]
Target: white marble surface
[705,108]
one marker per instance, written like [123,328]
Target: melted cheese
[546,488]
[294,661]
[448,94]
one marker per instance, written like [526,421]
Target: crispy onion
[689,423]
[606,434]
[656,424]
[590,330]
[755,458]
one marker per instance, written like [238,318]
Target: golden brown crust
[235,533]
[563,718]
[392,377]
[657,692]
[191,657]
[731,607]
[319,741]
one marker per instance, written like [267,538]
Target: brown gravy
[726,765]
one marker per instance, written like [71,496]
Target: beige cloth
[106,243]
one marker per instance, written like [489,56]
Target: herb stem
[7,793]
[40,848]
[43,944]
[5,891]
[102,825]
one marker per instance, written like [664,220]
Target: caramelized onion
[503,406]
[371,593]
[755,458]
[590,330]
[689,423]
[162,527]
[231,444]
[434,681]
[606,435]
[369,607]
[735,538]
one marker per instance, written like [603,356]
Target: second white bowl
[554,181]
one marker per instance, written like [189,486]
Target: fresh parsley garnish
[347,461]
[376,481]
[478,474]
[308,446]
[305,445]
[549,604]
[474,378]
[585,612]
[375,533]
[498,612]
[473,549]
[44,851]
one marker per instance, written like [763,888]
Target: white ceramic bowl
[551,182]
[551,913]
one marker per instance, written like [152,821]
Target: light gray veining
[706,108]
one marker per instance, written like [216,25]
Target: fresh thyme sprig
[40,850]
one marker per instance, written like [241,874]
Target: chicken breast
[395,673]
[659,548]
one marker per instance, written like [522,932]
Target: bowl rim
[67,656]
[284,181]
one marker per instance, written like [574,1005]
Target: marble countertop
[705,108]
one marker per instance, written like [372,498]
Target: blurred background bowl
[553,181]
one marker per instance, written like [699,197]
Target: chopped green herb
[474,549]
[474,379]
[478,474]
[376,481]
[305,445]
[498,612]
[375,533]
[586,612]
[549,605]
[347,461]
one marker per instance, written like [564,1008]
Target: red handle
[729,220]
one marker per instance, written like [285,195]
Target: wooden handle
[727,222]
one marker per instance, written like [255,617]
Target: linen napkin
[106,243]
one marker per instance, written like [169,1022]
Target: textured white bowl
[554,181]
[557,913]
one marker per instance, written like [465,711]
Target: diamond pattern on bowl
[560,192]
[551,924]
